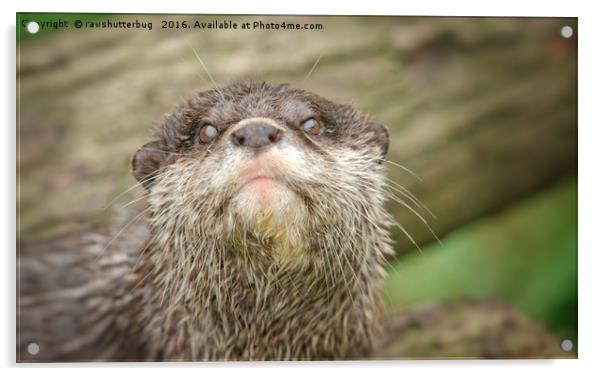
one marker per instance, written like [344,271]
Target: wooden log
[465,329]
[483,110]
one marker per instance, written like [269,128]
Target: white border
[590,189]
[352,7]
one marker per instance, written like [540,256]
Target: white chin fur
[271,210]
[267,206]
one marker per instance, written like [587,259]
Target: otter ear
[379,136]
[146,163]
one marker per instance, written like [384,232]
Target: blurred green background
[525,255]
[483,110]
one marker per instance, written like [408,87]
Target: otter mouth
[260,177]
[259,180]
[263,190]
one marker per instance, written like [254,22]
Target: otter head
[266,174]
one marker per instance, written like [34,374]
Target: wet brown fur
[205,285]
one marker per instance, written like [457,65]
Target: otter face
[262,164]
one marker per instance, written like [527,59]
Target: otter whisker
[403,168]
[133,201]
[138,184]
[312,68]
[146,148]
[406,193]
[203,79]
[415,200]
[407,234]
[206,70]
[137,217]
[401,202]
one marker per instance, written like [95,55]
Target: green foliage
[525,255]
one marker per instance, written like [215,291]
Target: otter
[264,238]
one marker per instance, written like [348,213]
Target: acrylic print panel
[198,187]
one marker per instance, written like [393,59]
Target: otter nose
[256,135]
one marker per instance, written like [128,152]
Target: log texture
[482,109]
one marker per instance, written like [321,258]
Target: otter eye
[311,126]
[207,133]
